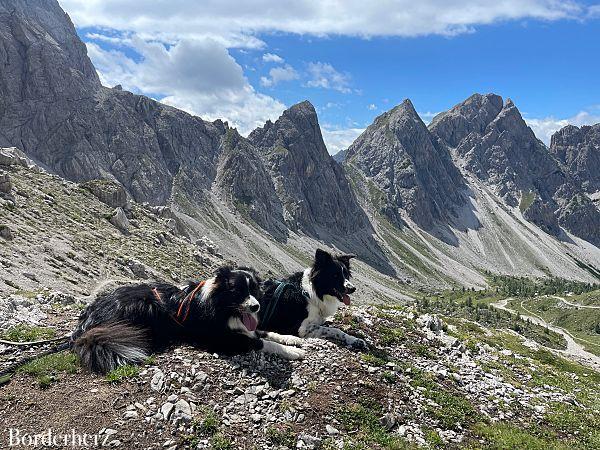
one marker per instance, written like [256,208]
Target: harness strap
[270,309]
[186,303]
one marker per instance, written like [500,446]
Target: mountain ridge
[435,206]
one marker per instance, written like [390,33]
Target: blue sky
[248,64]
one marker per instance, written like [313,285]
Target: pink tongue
[346,299]
[249,322]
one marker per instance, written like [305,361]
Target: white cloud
[544,128]
[339,139]
[594,11]
[324,75]
[271,57]
[199,76]
[278,74]
[236,23]
[372,107]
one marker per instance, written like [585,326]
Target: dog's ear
[222,274]
[345,259]
[322,257]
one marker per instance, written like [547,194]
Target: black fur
[327,275]
[127,324]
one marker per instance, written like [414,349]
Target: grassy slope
[581,323]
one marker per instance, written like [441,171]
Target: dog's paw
[295,341]
[293,353]
[359,344]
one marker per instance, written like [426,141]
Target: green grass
[582,323]
[123,373]
[220,442]
[453,410]
[505,436]
[390,336]
[475,306]
[527,198]
[362,419]
[27,333]
[47,368]
[281,436]
[207,427]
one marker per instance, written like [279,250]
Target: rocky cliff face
[311,186]
[493,142]
[53,107]
[247,185]
[579,150]
[399,154]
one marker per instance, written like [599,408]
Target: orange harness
[186,303]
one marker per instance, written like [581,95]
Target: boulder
[12,156]
[5,183]
[6,233]
[120,220]
[108,192]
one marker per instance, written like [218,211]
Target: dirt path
[576,305]
[574,350]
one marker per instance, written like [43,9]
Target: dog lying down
[219,315]
[301,304]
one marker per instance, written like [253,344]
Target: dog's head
[330,276]
[235,292]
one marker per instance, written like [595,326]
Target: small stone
[158,381]
[130,415]
[308,441]
[166,410]
[331,430]
[182,411]
[388,421]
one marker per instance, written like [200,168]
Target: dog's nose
[255,307]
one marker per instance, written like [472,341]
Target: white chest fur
[318,310]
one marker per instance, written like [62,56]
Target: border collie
[301,304]
[219,315]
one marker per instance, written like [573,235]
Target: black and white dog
[221,315]
[301,304]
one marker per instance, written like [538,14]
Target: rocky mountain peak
[579,150]
[312,187]
[472,115]
[399,154]
[495,144]
[49,36]
[299,122]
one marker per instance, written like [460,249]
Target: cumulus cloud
[199,76]
[337,139]
[238,23]
[372,107]
[544,128]
[271,57]
[279,74]
[323,75]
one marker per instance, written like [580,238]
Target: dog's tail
[104,348]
